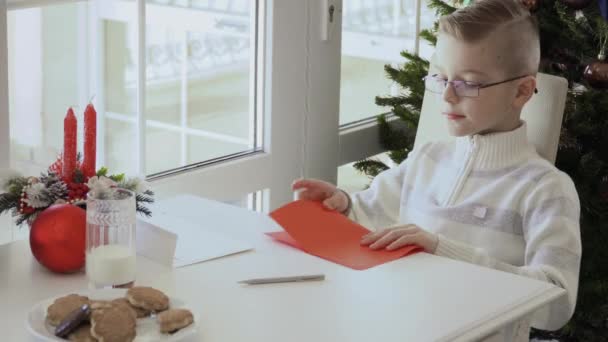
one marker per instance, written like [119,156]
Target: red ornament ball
[57,238]
[596,73]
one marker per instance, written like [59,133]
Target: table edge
[501,319]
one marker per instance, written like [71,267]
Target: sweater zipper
[466,169]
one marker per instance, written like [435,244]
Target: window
[200,81]
[200,75]
[374,32]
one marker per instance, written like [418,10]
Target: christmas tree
[574,36]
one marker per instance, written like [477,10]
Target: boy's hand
[318,190]
[397,237]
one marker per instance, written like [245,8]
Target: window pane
[120,97]
[374,33]
[351,180]
[199,91]
[46,56]
[427,20]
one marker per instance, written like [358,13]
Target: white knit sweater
[494,202]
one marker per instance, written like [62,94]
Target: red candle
[69,145]
[90,141]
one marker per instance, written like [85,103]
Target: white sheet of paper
[197,241]
[155,243]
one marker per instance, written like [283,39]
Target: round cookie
[139,312]
[100,304]
[174,319]
[113,324]
[63,306]
[148,298]
[82,334]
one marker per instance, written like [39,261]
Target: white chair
[543,115]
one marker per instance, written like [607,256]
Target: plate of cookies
[137,314]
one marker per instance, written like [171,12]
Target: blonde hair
[517,28]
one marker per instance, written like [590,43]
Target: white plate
[147,328]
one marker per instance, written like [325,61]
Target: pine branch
[394,139]
[440,7]
[8,201]
[129,184]
[398,156]
[571,22]
[429,35]
[370,167]
[417,60]
[143,210]
[407,116]
[15,186]
[411,101]
[26,218]
[409,76]
[391,101]
[141,199]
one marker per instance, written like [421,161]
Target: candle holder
[66,184]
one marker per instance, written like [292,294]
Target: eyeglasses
[436,84]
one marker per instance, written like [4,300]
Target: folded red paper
[311,227]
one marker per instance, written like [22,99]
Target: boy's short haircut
[516,29]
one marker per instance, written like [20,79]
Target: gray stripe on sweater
[498,219]
[558,257]
[529,172]
[548,210]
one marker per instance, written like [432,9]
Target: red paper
[90,141]
[330,235]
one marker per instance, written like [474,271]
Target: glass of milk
[110,247]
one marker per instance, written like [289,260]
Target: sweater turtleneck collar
[496,150]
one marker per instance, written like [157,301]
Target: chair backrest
[543,115]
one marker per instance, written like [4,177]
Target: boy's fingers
[329,204]
[302,194]
[382,242]
[402,241]
[373,236]
[299,184]
[386,240]
[314,184]
[333,202]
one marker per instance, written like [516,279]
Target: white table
[418,298]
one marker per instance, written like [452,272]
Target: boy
[488,198]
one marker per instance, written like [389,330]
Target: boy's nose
[449,94]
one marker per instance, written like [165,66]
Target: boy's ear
[525,89]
